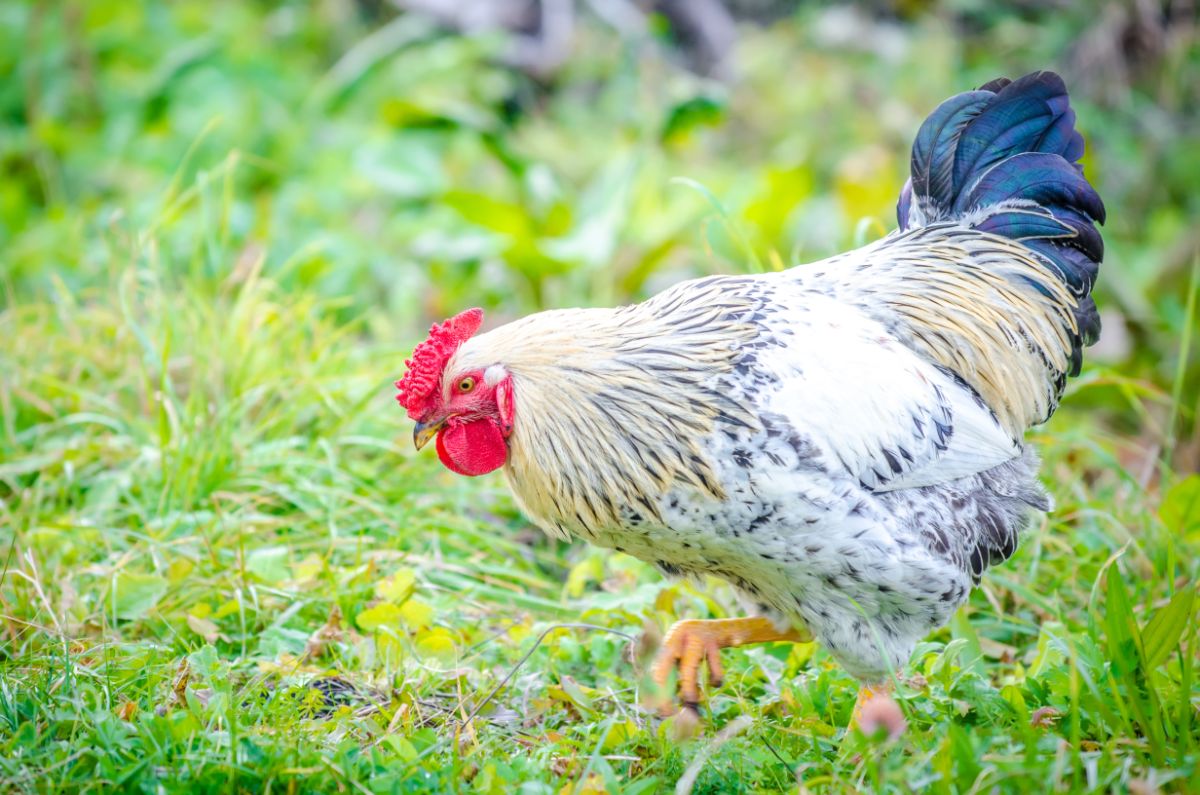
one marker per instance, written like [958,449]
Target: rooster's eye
[466,385]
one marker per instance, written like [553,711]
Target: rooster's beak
[424,431]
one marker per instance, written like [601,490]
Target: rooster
[843,441]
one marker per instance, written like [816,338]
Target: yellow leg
[865,694]
[875,708]
[689,643]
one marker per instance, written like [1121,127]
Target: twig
[731,730]
[36,582]
[525,657]
[778,756]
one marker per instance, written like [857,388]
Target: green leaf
[205,661]
[686,116]
[947,662]
[1162,633]
[735,233]
[1180,509]
[972,655]
[408,166]
[602,212]
[1015,698]
[401,747]
[506,218]
[1123,635]
[1049,656]
[133,595]
[269,564]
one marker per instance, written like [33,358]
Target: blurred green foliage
[379,161]
[403,172]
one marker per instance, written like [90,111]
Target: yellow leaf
[580,695]
[618,735]
[397,587]
[590,569]
[179,569]
[489,781]
[594,785]
[521,631]
[864,181]
[665,601]
[384,614]
[389,648]
[416,614]
[437,643]
[308,569]
[1012,694]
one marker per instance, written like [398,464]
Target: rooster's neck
[613,407]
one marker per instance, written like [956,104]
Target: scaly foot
[689,643]
[874,709]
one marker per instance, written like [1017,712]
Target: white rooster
[841,441]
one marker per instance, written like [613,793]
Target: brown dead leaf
[647,643]
[127,710]
[178,697]
[685,724]
[997,651]
[247,265]
[1043,717]
[203,627]
[1140,786]
[178,689]
[593,785]
[182,675]
[331,632]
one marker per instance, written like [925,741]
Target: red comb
[420,383]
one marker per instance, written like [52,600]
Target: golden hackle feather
[980,305]
[613,405]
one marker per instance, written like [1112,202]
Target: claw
[716,674]
[688,644]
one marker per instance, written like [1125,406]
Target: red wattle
[474,448]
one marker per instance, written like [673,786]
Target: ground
[225,569]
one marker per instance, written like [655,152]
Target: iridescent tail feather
[1004,160]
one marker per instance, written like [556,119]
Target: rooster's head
[468,408]
[588,410]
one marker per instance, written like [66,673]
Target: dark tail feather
[1004,159]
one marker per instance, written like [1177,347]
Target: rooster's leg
[689,643]
[876,709]
[866,693]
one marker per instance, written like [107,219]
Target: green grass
[224,568]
